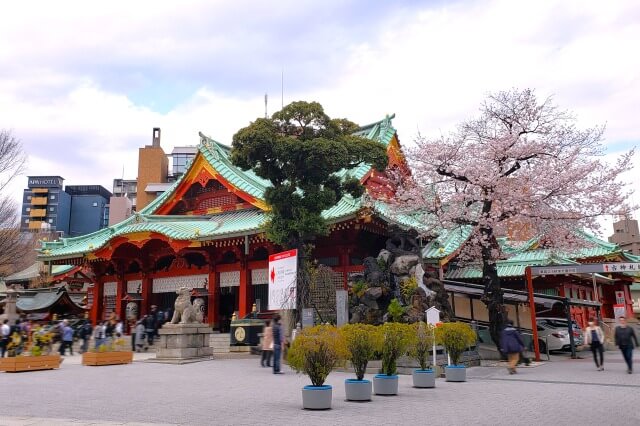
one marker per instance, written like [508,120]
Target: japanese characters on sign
[621,267]
[557,271]
[283,270]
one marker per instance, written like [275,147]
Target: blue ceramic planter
[455,373]
[424,379]
[316,397]
[385,385]
[357,390]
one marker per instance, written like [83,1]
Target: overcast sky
[83,85]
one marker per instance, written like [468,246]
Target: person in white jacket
[594,337]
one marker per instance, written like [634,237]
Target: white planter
[316,397]
[455,373]
[424,379]
[385,385]
[357,390]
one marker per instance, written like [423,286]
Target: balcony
[38,213]
[35,225]
[39,201]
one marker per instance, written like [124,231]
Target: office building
[153,167]
[89,208]
[626,235]
[45,206]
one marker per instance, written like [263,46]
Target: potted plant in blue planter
[421,343]
[361,341]
[456,337]
[394,344]
[315,352]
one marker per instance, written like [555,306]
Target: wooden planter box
[107,358]
[30,363]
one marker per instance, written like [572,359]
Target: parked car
[561,324]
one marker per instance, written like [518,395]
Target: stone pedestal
[183,343]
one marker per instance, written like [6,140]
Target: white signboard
[283,270]
[621,267]
[558,271]
[619,297]
[433,315]
[619,311]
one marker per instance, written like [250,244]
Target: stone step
[220,342]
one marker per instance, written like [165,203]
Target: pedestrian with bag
[594,337]
[267,345]
[625,339]
[512,345]
[278,341]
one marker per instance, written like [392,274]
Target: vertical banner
[342,307]
[283,272]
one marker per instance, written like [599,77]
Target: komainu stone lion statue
[184,312]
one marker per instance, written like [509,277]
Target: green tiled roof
[446,243]
[526,255]
[222,225]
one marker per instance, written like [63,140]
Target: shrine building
[206,233]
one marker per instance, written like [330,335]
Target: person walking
[626,340]
[512,345]
[150,326]
[594,337]
[5,332]
[100,334]
[85,334]
[67,338]
[278,340]
[267,345]
[139,336]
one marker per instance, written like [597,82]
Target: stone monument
[185,338]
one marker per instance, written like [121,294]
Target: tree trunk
[493,299]
[493,295]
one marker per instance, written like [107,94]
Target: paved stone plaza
[239,391]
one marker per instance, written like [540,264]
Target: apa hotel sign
[45,182]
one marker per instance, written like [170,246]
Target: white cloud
[431,67]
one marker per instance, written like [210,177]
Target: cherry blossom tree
[522,166]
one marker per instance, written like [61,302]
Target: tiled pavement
[239,391]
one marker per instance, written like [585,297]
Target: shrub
[420,343]
[408,288]
[358,289]
[394,344]
[456,337]
[316,351]
[396,310]
[361,341]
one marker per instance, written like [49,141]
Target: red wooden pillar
[98,301]
[213,298]
[121,289]
[147,283]
[245,289]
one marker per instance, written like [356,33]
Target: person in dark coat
[625,339]
[512,345]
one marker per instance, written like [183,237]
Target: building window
[29,197]
[26,221]
[95,204]
[51,209]
[28,209]
[53,197]
[50,220]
